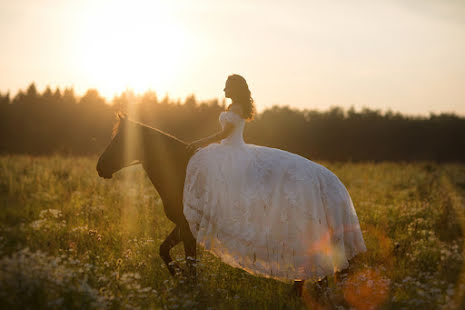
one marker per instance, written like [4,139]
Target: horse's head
[123,148]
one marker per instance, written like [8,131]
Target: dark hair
[242,96]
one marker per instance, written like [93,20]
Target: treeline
[59,122]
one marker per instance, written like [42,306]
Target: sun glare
[137,46]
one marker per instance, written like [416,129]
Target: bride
[267,211]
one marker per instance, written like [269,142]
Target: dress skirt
[270,212]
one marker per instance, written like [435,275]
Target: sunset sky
[404,55]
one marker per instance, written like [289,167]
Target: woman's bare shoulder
[236,109]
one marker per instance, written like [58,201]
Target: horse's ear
[122,116]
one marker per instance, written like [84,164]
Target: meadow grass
[69,239]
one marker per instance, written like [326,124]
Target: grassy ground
[69,239]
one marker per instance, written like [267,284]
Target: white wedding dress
[268,211]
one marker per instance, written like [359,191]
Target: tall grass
[69,239]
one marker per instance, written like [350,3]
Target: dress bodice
[236,137]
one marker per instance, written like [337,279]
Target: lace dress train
[268,211]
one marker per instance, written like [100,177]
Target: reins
[135,162]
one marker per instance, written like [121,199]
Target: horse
[164,159]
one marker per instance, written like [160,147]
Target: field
[69,239]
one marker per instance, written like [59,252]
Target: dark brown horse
[164,159]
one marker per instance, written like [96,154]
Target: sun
[137,46]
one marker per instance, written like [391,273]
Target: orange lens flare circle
[366,289]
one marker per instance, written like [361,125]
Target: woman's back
[236,137]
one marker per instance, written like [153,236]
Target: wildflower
[128,253]
[102,279]
[145,290]
[72,246]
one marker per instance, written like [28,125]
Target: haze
[403,55]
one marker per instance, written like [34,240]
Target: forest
[60,122]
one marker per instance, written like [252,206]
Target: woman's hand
[193,146]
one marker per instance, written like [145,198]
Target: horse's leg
[173,238]
[190,248]
[298,287]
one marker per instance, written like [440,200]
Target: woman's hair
[241,94]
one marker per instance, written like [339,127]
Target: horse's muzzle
[104,175]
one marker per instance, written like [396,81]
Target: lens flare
[366,290]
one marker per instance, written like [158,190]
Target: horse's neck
[165,162]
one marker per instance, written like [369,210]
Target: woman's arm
[213,138]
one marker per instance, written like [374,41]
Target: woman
[265,210]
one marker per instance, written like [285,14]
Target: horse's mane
[115,130]
[117,125]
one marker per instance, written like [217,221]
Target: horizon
[171,99]
[306,55]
